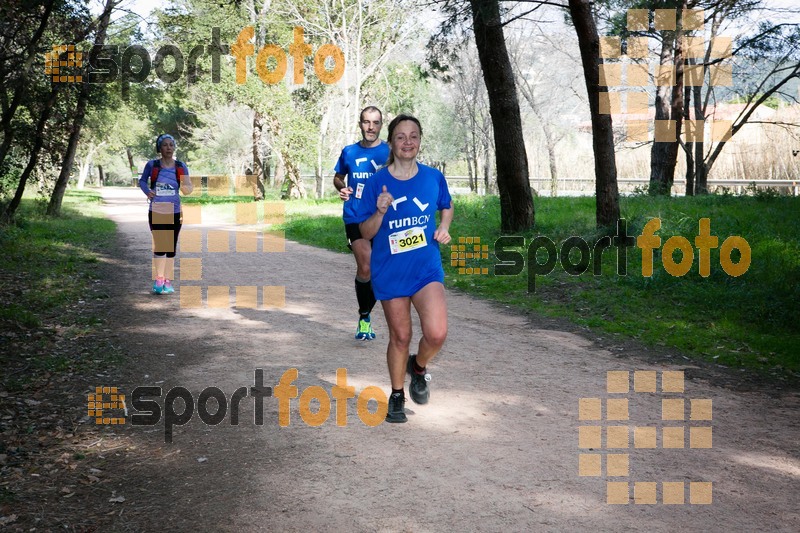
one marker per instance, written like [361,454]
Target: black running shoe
[396,413]
[419,383]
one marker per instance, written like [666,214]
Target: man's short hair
[369,109]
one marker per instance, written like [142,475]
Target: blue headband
[161,139]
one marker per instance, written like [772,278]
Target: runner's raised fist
[385,199]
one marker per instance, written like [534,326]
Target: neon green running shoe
[364,331]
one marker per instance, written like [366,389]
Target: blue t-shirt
[167,186]
[405,257]
[358,164]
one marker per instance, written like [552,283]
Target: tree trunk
[54,207]
[516,202]
[470,176]
[700,177]
[550,144]
[659,153]
[664,155]
[700,185]
[676,111]
[321,142]
[475,165]
[295,188]
[689,146]
[268,167]
[83,172]
[551,156]
[280,172]
[605,163]
[549,138]
[86,164]
[38,142]
[101,178]
[259,170]
[318,187]
[700,169]
[258,166]
[130,162]
[487,165]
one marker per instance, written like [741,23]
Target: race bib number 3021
[407,240]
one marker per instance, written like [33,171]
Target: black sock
[365,297]
[398,391]
[418,369]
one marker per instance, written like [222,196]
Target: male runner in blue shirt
[356,164]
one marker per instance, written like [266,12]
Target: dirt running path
[496,449]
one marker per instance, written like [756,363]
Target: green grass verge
[750,321]
[47,268]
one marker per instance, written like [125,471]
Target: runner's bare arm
[344,190]
[442,233]
[186,185]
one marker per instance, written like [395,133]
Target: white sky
[144,7]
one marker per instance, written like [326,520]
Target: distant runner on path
[161,180]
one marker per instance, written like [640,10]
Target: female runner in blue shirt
[398,213]
[164,215]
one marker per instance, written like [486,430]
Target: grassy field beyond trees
[749,321]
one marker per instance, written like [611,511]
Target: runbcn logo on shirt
[409,221]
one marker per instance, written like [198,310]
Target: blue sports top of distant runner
[167,187]
[405,257]
[358,164]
